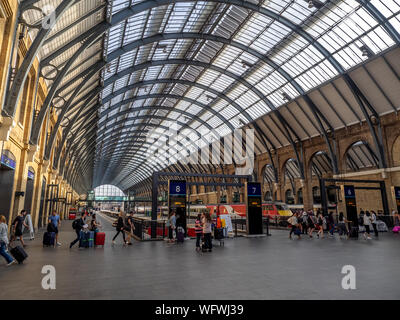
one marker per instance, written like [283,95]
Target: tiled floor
[265,268]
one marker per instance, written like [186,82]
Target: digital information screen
[254,208]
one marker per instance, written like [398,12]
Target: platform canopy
[122,73]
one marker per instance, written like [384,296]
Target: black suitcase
[354,232]
[218,234]
[19,254]
[49,239]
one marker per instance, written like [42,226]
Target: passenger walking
[342,225]
[129,228]
[28,222]
[207,231]
[367,225]
[311,223]
[304,222]
[320,225]
[171,224]
[4,241]
[55,221]
[331,224]
[119,228]
[199,231]
[293,220]
[374,223]
[17,225]
[77,225]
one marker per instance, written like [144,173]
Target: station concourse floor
[245,268]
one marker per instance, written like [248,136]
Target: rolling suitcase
[91,239]
[100,238]
[49,239]
[19,254]
[180,235]
[354,232]
[84,239]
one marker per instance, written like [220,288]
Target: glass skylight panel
[118,5]
[297,12]
[257,110]
[229,111]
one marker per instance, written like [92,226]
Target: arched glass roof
[127,71]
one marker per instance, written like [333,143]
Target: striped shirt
[198,228]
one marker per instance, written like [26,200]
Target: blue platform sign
[349,192]
[253,189]
[397,192]
[177,188]
[6,161]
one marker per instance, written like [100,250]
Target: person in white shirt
[367,225]
[374,223]
[28,222]
[4,241]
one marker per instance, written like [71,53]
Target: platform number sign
[349,192]
[254,209]
[253,190]
[177,188]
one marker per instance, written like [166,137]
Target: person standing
[199,231]
[367,225]
[342,225]
[304,222]
[28,222]
[17,225]
[119,228]
[207,221]
[4,241]
[374,223]
[77,225]
[311,223]
[171,224]
[293,220]
[54,219]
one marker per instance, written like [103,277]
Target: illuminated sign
[349,192]
[6,161]
[177,188]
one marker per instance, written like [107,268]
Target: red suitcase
[100,238]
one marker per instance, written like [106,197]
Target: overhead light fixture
[285,96]
[314,4]
[209,98]
[366,51]
[242,122]
[163,47]
[246,64]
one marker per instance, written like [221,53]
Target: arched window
[289,198]
[300,196]
[316,192]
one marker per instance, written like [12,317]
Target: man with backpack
[77,225]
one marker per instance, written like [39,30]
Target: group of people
[125,227]
[83,223]
[306,222]
[21,221]
[203,230]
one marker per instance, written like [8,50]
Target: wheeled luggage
[19,254]
[396,229]
[297,232]
[49,239]
[100,238]
[91,239]
[72,216]
[180,235]
[218,233]
[353,232]
[84,239]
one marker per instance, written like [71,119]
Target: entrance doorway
[7,170]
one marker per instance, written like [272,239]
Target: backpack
[75,224]
[361,221]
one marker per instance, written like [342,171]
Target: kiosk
[254,209]
[397,196]
[351,206]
